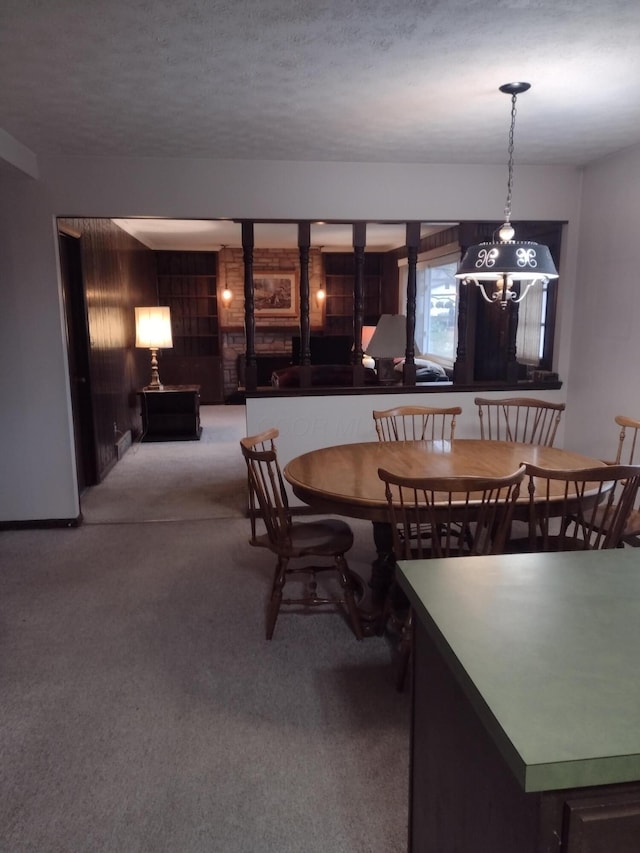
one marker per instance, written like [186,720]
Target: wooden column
[463,366]
[251,364]
[359,243]
[413,244]
[511,327]
[304,243]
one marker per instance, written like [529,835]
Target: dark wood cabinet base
[171,414]
[465,799]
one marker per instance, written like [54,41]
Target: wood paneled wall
[119,273]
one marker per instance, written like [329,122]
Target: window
[488,352]
[436,304]
[437,307]
[530,337]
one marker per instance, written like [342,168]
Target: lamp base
[385,370]
[155,384]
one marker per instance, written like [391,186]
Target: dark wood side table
[172,414]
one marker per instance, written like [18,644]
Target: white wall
[36,454]
[307,423]
[37,461]
[604,378]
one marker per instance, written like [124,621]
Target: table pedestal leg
[372,609]
[383,567]
[389,601]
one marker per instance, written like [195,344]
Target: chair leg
[276,595]
[347,586]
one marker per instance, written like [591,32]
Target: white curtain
[530,328]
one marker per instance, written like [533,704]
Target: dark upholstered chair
[329,375]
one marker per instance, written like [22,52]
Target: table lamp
[153,331]
[389,341]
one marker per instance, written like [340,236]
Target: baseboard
[41,523]
[123,444]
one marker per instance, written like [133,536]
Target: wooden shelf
[187,283]
[339,271]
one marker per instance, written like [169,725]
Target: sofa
[429,368]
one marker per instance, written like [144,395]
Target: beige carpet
[174,480]
[142,709]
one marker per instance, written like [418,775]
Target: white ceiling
[404,81]
[338,80]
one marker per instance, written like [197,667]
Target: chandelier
[505,261]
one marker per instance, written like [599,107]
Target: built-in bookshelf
[187,283]
[339,271]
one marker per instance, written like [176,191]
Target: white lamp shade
[390,337]
[153,327]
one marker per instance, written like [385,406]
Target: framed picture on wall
[275,293]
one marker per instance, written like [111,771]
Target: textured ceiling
[342,80]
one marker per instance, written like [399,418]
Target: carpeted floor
[143,710]
[176,480]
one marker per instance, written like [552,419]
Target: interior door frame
[77,330]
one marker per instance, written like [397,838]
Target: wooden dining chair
[628,453]
[583,509]
[435,517]
[416,423]
[521,419]
[326,539]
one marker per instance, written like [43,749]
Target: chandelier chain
[507,207]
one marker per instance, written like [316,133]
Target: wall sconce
[153,331]
[507,261]
[227,296]
[320,297]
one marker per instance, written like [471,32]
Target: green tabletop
[547,648]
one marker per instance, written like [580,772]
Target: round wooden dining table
[343,480]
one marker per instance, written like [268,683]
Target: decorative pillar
[359,244]
[251,364]
[304,243]
[413,244]
[463,366]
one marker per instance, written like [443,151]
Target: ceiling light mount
[515,88]
[506,262]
